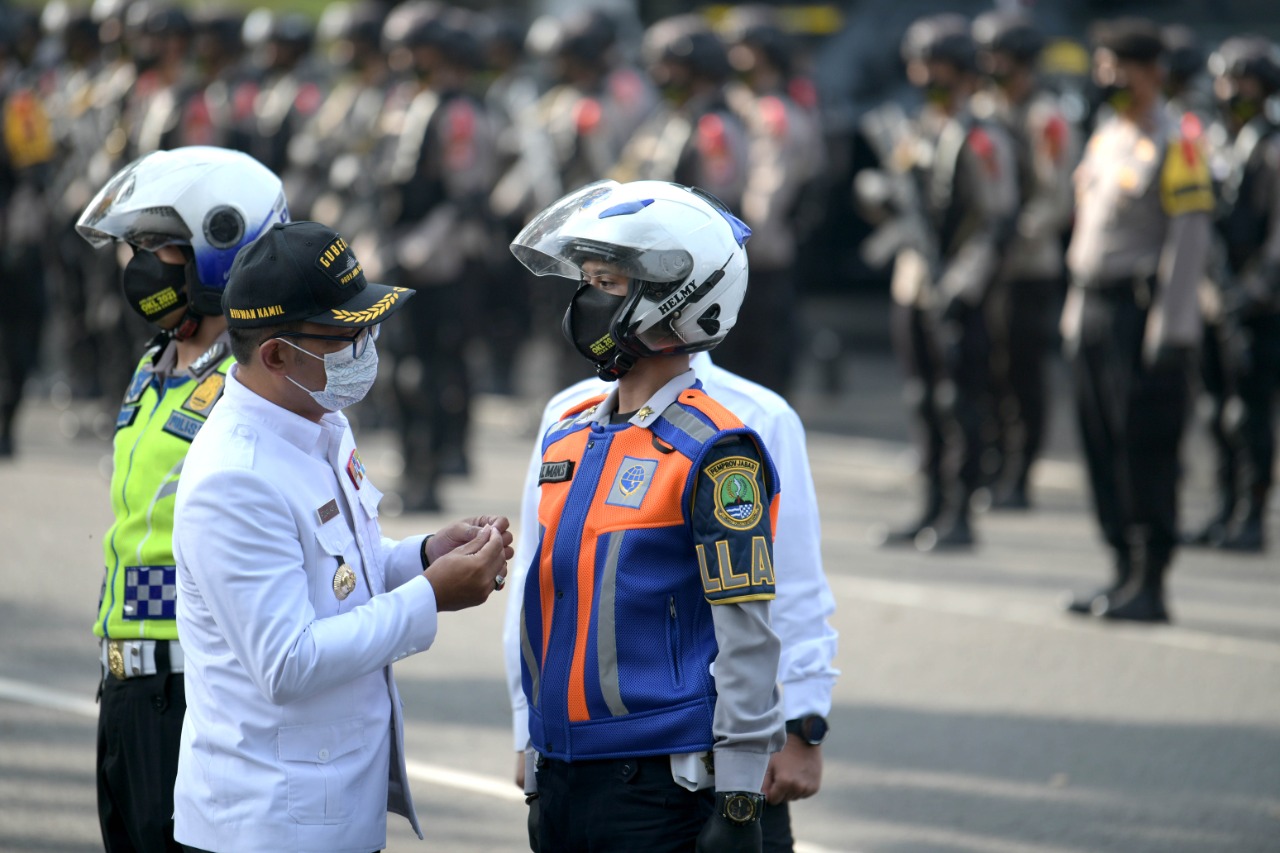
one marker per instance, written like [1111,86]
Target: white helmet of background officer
[683,250]
[210,201]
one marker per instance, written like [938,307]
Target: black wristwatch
[741,807]
[811,729]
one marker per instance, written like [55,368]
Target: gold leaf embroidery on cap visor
[371,313]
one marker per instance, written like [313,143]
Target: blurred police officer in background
[185,215]
[693,137]
[27,166]
[785,157]
[1143,219]
[291,87]
[331,157]
[434,186]
[1242,345]
[1024,301]
[75,118]
[1185,86]
[964,172]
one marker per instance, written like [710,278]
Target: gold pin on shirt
[344,580]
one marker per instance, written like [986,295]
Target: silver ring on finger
[499,581]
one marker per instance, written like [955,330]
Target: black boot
[1248,533]
[906,535]
[1142,599]
[1082,605]
[952,532]
[1215,529]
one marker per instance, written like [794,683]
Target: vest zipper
[673,639]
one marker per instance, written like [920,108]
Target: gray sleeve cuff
[740,771]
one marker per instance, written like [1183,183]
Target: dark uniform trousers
[1021,315]
[630,805]
[1257,386]
[139,733]
[947,365]
[1218,379]
[1131,421]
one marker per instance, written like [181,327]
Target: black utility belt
[1137,289]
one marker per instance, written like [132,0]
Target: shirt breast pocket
[323,764]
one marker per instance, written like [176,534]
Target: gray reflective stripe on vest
[530,662]
[606,632]
[688,424]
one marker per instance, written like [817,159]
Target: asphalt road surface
[972,715]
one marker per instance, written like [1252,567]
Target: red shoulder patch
[459,136]
[308,99]
[773,113]
[460,123]
[1192,129]
[586,116]
[981,144]
[242,101]
[1055,137]
[803,92]
[198,121]
[713,139]
[1191,126]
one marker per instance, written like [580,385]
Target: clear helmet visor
[602,221]
[122,211]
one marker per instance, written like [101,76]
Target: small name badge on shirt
[555,472]
[328,512]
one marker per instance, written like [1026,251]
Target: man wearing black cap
[1143,207]
[292,606]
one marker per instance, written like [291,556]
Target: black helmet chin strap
[187,326]
[616,367]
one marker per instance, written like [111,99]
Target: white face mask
[347,378]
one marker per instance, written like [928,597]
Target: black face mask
[586,326]
[153,288]
[1241,110]
[1119,97]
[939,96]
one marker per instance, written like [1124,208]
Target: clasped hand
[465,557]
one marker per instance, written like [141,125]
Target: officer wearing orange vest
[648,661]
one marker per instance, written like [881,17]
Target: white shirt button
[323,755]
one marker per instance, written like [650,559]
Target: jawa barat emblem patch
[737,501]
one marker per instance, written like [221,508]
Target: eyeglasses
[359,341]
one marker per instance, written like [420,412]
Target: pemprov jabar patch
[737,499]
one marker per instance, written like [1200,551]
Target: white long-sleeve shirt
[293,737]
[804,602]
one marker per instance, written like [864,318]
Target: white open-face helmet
[215,200]
[683,250]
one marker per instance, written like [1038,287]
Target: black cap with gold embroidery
[305,271]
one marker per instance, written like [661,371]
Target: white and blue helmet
[681,245]
[215,200]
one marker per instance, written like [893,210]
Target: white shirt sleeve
[243,550]
[804,601]
[526,545]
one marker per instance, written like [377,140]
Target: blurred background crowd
[429,134]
